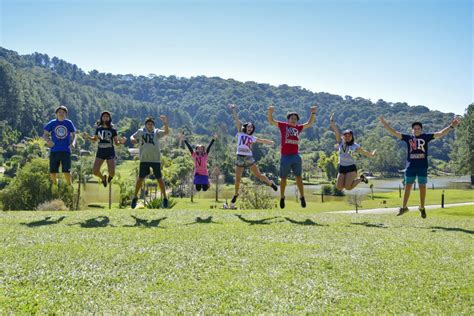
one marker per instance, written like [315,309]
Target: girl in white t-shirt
[346,146]
[245,140]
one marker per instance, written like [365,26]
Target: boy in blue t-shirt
[417,159]
[58,134]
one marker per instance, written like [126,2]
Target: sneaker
[274,187]
[402,211]
[422,211]
[234,199]
[134,202]
[363,179]
[303,202]
[104,181]
[165,203]
[282,203]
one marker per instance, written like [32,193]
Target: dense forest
[31,86]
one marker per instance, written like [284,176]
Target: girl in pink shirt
[200,155]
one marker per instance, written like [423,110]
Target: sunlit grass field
[215,261]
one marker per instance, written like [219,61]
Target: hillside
[31,86]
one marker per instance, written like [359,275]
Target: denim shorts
[290,163]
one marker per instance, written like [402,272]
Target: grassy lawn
[185,261]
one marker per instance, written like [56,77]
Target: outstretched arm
[236,117]
[455,122]
[89,137]
[312,118]
[270,118]
[366,153]
[164,119]
[120,141]
[264,141]
[334,128]
[390,129]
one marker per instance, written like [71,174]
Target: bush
[331,189]
[53,205]
[31,187]
[256,197]
[326,189]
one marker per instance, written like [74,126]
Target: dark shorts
[105,153]
[347,169]
[290,163]
[57,158]
[244,161]
[201,179]
[412,173]
[145,169]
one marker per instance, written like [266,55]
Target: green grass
[188,263]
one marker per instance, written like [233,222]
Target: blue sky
[419,52]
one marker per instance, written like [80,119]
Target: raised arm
[454,123]
[236,117]
[390,129]
[208,149]
[335,129]
[190,148]
[164,119]
[366,153]
[270,118]
[264,141]
[312,118]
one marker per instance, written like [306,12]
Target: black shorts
[57,158]
[145,169]
[347,169]
[105,153]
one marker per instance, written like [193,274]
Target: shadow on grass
[264,221]
[306,222]
[367,224]
[140,222]
[99,221]
[200,220]
[452,229]
[44,222]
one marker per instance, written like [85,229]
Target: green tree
[462,156]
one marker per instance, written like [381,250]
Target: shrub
[53,205]
[256,197]
[31,187]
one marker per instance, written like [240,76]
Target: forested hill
[31,86]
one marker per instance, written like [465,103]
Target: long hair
[244,128]
[101,122]
[348,131]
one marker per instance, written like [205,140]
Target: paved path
[391,210]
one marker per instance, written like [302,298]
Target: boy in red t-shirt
[290,158]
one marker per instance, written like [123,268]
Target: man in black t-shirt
[417,159]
